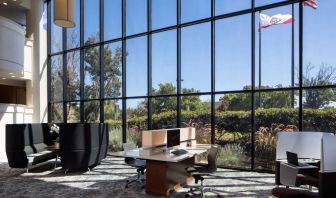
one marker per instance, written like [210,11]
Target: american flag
[311,3]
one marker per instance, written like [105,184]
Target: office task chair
[140,165]
[200,172]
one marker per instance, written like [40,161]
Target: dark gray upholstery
[82,145]
[26,144]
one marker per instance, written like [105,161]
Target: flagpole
[259,61]
[293,54]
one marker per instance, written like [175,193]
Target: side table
[55,149]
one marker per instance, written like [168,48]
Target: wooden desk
[165,170]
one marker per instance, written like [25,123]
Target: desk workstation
[164,169]
[306,158]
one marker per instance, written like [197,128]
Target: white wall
[36,110]
[10,114]
[12,38]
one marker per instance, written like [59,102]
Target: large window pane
[163,13]
[227,6]
[136,122]
[73,33]
[57,113]
[112,70]
[276,111]
[195,9]
[319,111]
[56,43]
[164,61]
[92,73]
[233,53]
[196,111]
[91,21]
[196,58]
[136,66]
[233,129]
[113,116]
[136,16]
[56,78]
[276,53]
[112,19]
[164,112]
[73,69]
[266,2]
[91,112]
[319,60]
[73,114]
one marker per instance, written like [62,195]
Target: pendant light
[64,13]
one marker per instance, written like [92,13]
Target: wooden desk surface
[165,156]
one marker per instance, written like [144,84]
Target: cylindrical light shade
[64,13]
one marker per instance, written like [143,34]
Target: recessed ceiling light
[11,73]
[3,78]
[13,76]
[5,3]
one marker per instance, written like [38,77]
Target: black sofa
[26,144]
[82,146]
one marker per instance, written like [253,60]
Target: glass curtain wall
[150,64]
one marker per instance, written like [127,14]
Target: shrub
[231,155]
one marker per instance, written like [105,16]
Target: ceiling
[18,4]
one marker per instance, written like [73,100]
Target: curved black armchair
[26,144]
[82,146]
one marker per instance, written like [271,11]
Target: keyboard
[179,152]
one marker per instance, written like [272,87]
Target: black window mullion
[213,74]
[65,76]
[82,116]
[179,100]
[124,106]
[101,62]
[300,65]
[253,85]
[149,61]
[49,60]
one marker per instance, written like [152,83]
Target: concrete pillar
[38,84]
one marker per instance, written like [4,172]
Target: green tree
[112,73]
[319,98]
[242,101]
[165,104]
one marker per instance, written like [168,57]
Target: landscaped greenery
[233,130]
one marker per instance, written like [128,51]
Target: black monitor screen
[173,138]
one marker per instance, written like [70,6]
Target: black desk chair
[140,165]
[200,172]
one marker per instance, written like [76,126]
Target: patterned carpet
[108,180]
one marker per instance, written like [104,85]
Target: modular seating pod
[26,144]
[82,146]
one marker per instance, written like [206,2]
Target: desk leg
[156,178]
[161,177]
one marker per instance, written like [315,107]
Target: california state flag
[266,21]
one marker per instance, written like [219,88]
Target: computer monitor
[173,138]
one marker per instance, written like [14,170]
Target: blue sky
[233,42]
